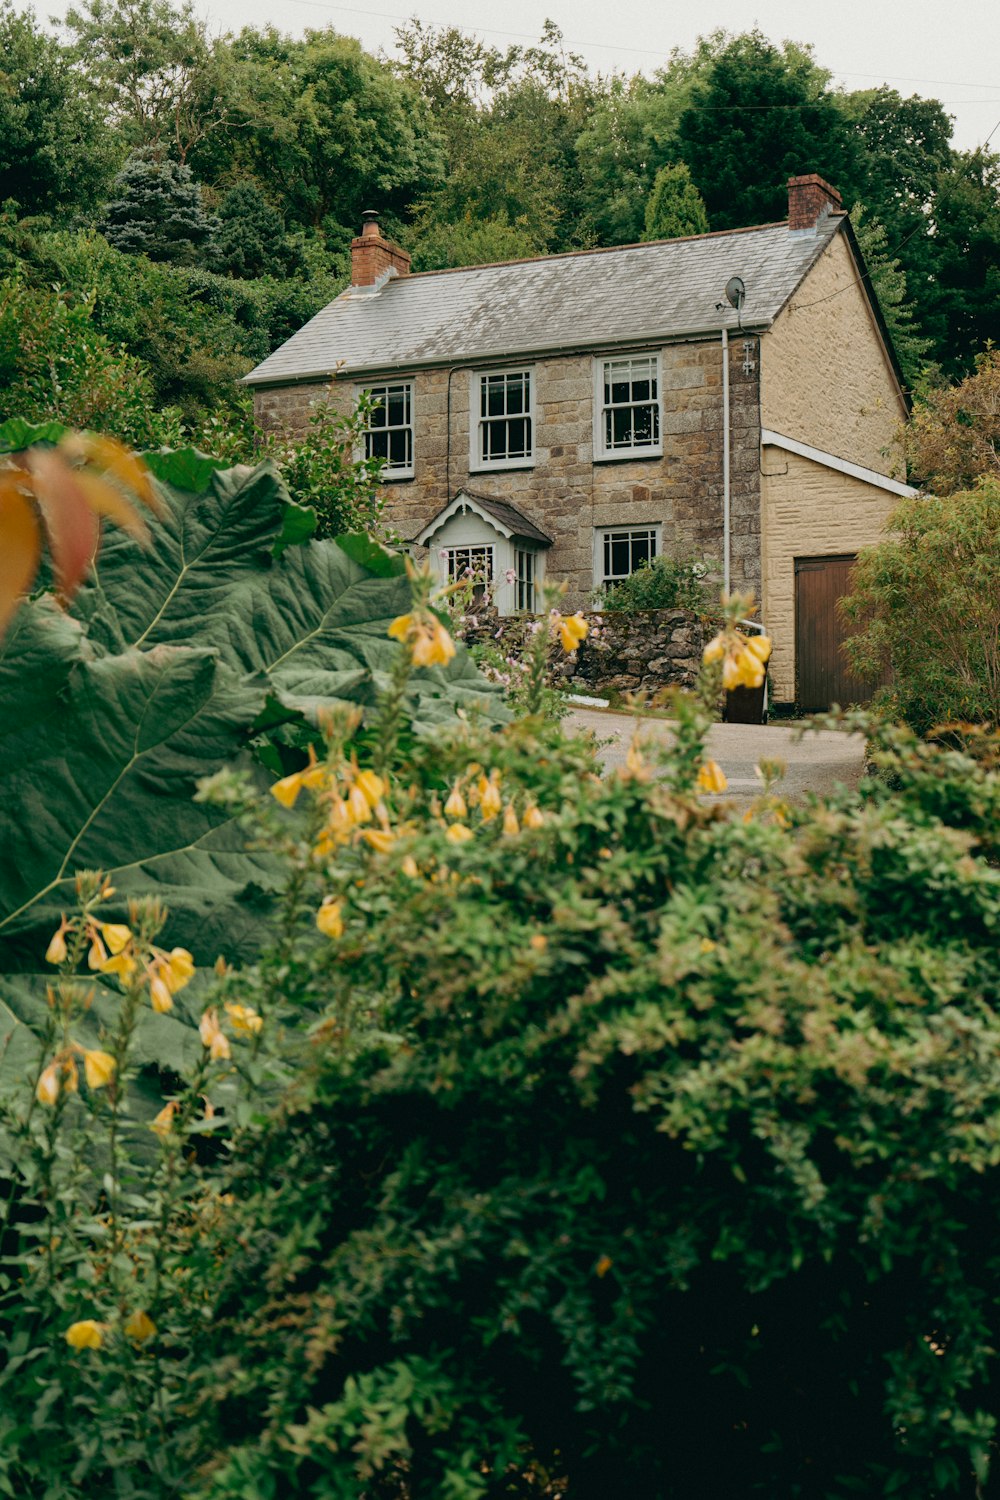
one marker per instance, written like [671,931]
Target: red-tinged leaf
[107,500]
[20,545]
[73,528]
[104,453]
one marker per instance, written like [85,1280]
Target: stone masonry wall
[623,653]
[565,492]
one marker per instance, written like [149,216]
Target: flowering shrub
[664,583]
[591,1141]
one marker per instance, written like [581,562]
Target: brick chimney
[809,198]
[372,256]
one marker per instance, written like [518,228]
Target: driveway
[816,763]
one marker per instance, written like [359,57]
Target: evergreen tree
[675,206]
[887,280]
[252,240]
[158,213]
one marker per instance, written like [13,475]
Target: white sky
[944,51]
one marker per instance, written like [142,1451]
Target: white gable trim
[461,502]
[830,461]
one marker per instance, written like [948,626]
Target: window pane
[396,408]
[620,419]
[377,416]
[518,440]
[641,550]
[377,445]
[495,396]
[642,426]
[620,556]
[516,394]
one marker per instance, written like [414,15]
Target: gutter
[487,361]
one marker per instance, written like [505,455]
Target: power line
[524,36]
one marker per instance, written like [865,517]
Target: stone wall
[624,652]
[564,491]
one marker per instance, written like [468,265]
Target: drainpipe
[725,460]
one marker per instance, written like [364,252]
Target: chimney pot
[369,221]
[809,197]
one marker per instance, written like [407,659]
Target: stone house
[731,396]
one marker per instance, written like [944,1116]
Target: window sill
[507,467]
[631,457]
[397,478]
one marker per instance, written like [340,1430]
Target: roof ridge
[528,260]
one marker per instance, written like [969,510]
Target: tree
[927,601]
[158,212]
[961,302]
[55,150]
[762,115]
[675,206]
[887,280]
[164,83]
[953,437]
[473,242]
[252,240]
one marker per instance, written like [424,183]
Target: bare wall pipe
[725,461]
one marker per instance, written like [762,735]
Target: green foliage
[251,240]
[665,583]
[173,663]
[953,436]
[927,601]
[887,280]
[321,470]
[566,1152]
[675,206]
[473,242]
[55,363]
[761,113]
[55,147]
[157,212]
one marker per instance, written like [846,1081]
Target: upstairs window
[389,429]
[627,407]
[502,427]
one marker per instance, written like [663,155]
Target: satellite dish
[736,292]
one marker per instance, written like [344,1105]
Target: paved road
[816,762]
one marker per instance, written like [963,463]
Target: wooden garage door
[822,671]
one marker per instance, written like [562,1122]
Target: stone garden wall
[625,652]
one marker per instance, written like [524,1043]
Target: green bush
[926,602]
[664,583]
[592,1141]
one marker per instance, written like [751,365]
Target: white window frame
[482,590]
[391,474]
[477,462]
[525,590]
[604,454]
[602,533]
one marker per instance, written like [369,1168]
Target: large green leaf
[171,663]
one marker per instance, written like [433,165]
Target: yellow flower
[140,1327]
[116,935]
[572,630]
[455,806]
[707,946]
[47,1089]
[160,997]
[712,778]
[99,1068]
[328,918]
[244,1018]
[538,941]
[401,627]
[603,1265]
[510,823]
[87,1334]
[212,1035]
[164,1122]
[357,806]
[533,817]
[55,953]
[380,839]
[98,954]
[287,790]
[123,964]
[371,787]
[760,646]
[177,969]
[714,651]
[409,868]
[433,646]
[490,801]
[458,833]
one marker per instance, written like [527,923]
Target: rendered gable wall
[826,378]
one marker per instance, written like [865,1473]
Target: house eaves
[770,439]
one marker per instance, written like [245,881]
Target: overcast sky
[945,51]
[948,52]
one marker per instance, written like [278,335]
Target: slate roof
[633,294]
[513,521]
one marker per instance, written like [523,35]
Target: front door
[823,673]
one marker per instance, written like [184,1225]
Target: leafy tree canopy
[158,212]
